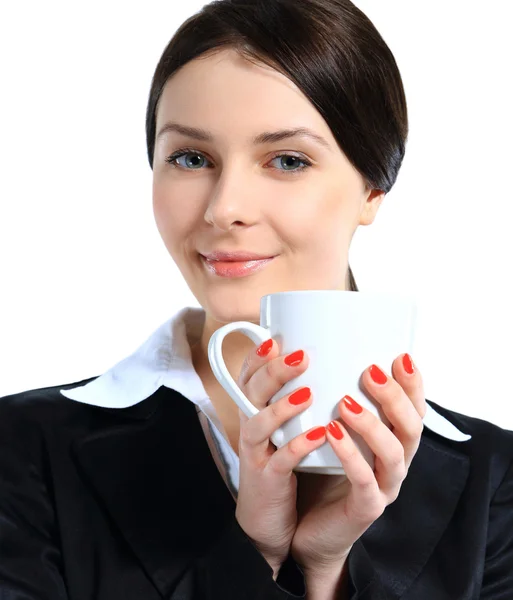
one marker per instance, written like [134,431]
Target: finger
[258,356]
[287,458]
[364,503]
[406,422]
[264,377]
[411,382]
[389,465]
[255,433]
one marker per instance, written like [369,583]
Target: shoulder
[488,454]
[29,413]
[45,412]
[486,436]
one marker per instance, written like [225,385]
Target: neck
[236,347]
[234,353]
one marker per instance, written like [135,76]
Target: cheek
[160,216]
[296,216]
[320,221]
[168,218]
[169,206]
[162,200]
[158,199]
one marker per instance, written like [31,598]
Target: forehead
[225,93]
[229,66]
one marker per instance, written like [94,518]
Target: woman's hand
[266,503]
[334,511]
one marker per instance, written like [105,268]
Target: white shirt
[165,359]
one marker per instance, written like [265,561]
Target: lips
[231,268]
[228,256]
[244,259]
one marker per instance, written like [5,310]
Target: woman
[146,481]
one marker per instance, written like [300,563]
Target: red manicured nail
[352,405]
[299,396]
[317,433]
[377,374]
[408,364]
[294,359]
[334,429]
[265,348]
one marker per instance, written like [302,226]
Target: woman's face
[230,194]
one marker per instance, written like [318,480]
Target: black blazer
[106,504]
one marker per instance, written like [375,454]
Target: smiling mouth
[232,269]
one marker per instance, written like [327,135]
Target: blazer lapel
[395,548]
[154,475]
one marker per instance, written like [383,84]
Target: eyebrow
[263,138]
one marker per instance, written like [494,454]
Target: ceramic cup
[343,333]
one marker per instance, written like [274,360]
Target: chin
[228,314]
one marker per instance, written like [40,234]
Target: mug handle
[256,334]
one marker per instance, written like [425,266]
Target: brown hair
[330,50]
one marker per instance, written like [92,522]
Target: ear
[373,199]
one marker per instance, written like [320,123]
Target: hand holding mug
[266,504]
[343,485]
[340,332]
[319,523]
[335,511]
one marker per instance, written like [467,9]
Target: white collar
[165,359]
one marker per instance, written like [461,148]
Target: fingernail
[352,405]
[265,348]
[377,375]
[317,433]
[334,429]
[294,359]
[408,364]
[300,396]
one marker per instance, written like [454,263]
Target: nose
[231,206]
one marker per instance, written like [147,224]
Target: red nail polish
[294,359]
[377,374]
[316,434]
[352,405]
[265,348]
[334,429]
[299,396]
[408,364]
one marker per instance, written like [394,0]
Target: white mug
[343,333]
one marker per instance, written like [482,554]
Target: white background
[85,277]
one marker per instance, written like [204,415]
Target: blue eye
[172,160]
